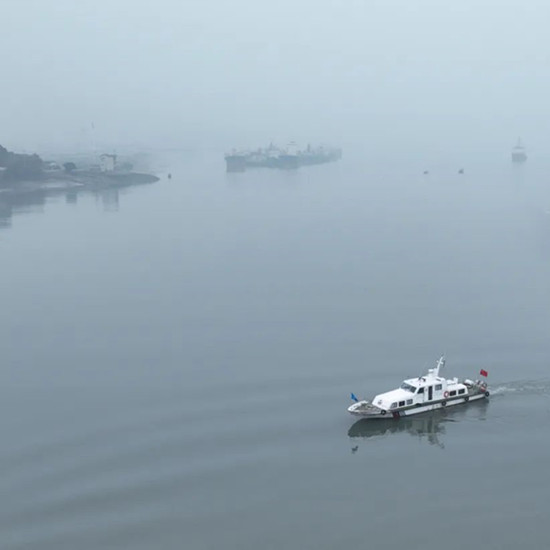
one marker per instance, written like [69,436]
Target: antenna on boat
[440,365]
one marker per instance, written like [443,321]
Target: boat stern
[364,409]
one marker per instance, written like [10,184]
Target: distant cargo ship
[518,153]
[287,158]
[235,162]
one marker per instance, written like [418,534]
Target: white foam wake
[522,387]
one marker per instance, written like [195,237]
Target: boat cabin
[421,391]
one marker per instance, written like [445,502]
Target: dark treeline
[18,166]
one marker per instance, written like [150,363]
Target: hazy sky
[386,73]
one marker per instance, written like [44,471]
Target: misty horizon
[212,75]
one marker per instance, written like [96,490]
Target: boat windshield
[408,387]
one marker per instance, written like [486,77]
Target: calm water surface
[178,357]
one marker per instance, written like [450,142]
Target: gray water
[177,359]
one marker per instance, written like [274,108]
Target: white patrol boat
[422,394]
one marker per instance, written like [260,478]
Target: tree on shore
[19,167]
[4,156]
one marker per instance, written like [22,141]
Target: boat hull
[419,409]
[235,163]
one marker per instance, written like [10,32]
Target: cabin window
[438,387]
[452,393]
[409,401]
[408,387]
[461,391]
[393,405]
[420,390]
[401,403]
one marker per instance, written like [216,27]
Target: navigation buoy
[169,176]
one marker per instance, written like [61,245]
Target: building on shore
[107,163]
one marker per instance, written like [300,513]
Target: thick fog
[178,356]
[380,74]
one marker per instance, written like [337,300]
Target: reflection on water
[428,427]
[109,199]
[543,230]
[71,197]
[5,215]
[11,204]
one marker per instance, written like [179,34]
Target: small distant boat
[417,395]
[518,153]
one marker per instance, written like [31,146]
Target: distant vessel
[320,155]
[286,158]
[289,158]
[235,162]
[422,394]
[518,153]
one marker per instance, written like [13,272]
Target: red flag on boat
[483,372]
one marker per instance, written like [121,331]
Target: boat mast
[440,364]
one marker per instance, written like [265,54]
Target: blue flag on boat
[354,398]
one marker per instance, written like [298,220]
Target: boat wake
[522,387]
